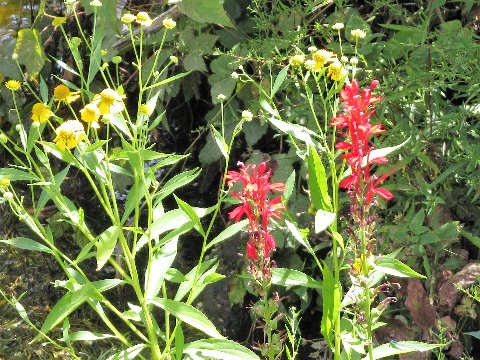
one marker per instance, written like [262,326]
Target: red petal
[343,145]
[384,193]
[251,251]
[345,183]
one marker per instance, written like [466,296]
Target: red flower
[357,111]
[257,207]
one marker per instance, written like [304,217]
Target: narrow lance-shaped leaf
[106,244]
[317,182]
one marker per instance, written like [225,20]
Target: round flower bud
[312,48]
[338,26]
[4,182]
[128,18]
[75,41]
[14,56]
[247,115]
[117,60]
[354,60]
[18,127]
[358,34]
[7,195]
[235,75]
[3,138]
[344,59]
[221,97]
[95,3]
[169,23]
[297,60]
[174,59]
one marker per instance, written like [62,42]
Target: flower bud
[117,60]
[7,195]
[169,23]
[235,75]
[14,56]
[247,115]
[4,182]
[174,59]
[338,26]
[3,138]
[221,97]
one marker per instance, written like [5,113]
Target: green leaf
[27,244]
[220,349]
[105,244]
[130,353]
[227,233]
[297,131]
[179,341]
[88,336]
[395,267]
[338,238]
[279,80]
[17,175]
[317,182]
[290,277]
[331,304]
[65,306]
[323,219]
[475,240]
[30,51]
[188,314]
[161,262]
[206,11]
[475,334]
[176,182]
[222,145]
[401,347]
[188,210]
[289,186]
[296,234]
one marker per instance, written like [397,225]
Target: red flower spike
[357,111]
[258,208]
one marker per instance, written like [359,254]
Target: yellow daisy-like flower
[59,20]
[4,182]
[144,109]
[13,85]
[63,94]
[336,71]
[297,60]
[90,113]
[41,112]
[69,134]
[358,34]
[109,102]
[144,19]
[169,23]
[128,18]
[321,57]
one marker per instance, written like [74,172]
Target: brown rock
[423,313]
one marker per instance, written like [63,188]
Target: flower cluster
[258,208]
[357,111]
[321,59]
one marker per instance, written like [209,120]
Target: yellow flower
[358,34]
[69,134]
[4,182]
[13,85]
[144,19]
[109,102]
[321,57]
[41,112]
[63,94]
[169,23]
[128,18]
[144,109]
[59,20]
[90,113]
[336,71]
[297,60]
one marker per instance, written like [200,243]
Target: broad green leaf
[227,233]
[188,314]
[65,306]
[290,277]
[323,219]
[27,244]
[206,11]
[395,267]
[64,154]
[17,175]
[220,349]
[401,347]
[106,244]
[88,336]
[106,284]
[331,304]
[30,51]
[176,182]
[475,240]
[279,80]
[317,182]
[296,234]
[161,262]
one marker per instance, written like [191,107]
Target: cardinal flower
[258,208]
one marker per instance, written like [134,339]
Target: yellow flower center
[12,85]
[61,92]
[108,96]
[41,112]
[90,113]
